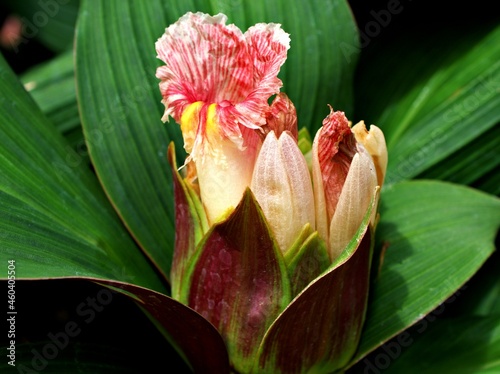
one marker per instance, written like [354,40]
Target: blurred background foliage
[407,57]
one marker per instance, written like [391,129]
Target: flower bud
[282,187]
[344,182]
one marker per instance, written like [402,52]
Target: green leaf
[471,162]
[52,86]
[50,21]
[120,100]
[472,346]
[432,108]
[120,110]
[238,280]
[55,221]
[436,236]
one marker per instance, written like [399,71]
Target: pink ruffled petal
[206,61]
[268,45]
[216,83]
[214,63]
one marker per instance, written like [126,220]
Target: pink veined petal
[282,117]
[209,61]
[268,45]
[206,61]
[216,83]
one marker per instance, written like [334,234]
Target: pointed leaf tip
[239,281]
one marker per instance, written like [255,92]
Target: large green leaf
[120,111]
[52,86]
[439,94]
[55,220]
[470,163]
[472,346]
[435,237]
[120,101]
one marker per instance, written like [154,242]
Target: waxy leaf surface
[55,220]
[432,237]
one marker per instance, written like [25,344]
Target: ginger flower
[273,252]
[216,84]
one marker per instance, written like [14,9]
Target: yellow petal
[189,124]
[374,142]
